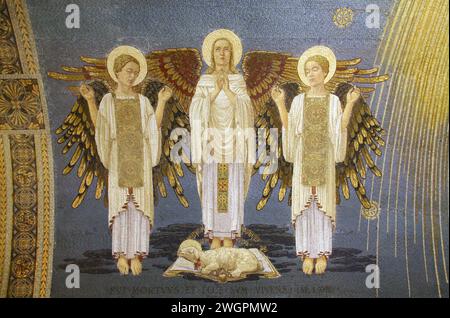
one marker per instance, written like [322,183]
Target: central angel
[222,139]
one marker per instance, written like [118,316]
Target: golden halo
[128,50]
[324,51]
[222,34]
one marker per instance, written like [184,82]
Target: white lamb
[236,261]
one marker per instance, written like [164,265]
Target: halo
[222,34]
[128,50]
[324,51]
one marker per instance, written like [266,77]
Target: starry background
[81,235]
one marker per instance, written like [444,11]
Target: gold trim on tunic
[222,187]
[315,141]
[130,146]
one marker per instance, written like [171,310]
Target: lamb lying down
[235,261]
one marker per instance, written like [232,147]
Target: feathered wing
[364,138]
[94,69]
[347,71]
[364,131]
[262,71]
[78,131]
[180,70]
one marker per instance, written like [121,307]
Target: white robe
[313,225]
[225,118]
[107,147]
[292,151]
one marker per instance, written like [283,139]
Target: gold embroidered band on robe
[315,141]
[130,146]
[222,187]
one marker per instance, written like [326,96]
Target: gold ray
[404,52]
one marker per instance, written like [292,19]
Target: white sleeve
[340,143]
[198,118]
[246,121]
[153,133]
[290,135]
[103,132]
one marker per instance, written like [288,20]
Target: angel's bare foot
[122,265]
[136,266]
[321,265]
[227,242]
[308,265]
[215,243]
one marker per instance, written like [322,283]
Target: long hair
[212,68]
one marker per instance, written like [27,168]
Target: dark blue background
[280,25]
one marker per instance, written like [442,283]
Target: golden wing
[179,69]
[94,69]
[364,133]
[364,138]
[78,129]
[347,71]
[263,70]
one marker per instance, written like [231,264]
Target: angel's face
[127,76]
[222,52]
[314,73]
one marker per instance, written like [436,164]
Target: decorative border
[26,253]
[10,55]
[5,262]
[47,223]
[25,216]
[3,206]
[22,28]
[5,214]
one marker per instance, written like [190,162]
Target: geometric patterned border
[26,162]
[25,216]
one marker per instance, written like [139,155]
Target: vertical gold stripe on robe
[130,145]
[222,187]
[315,141]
